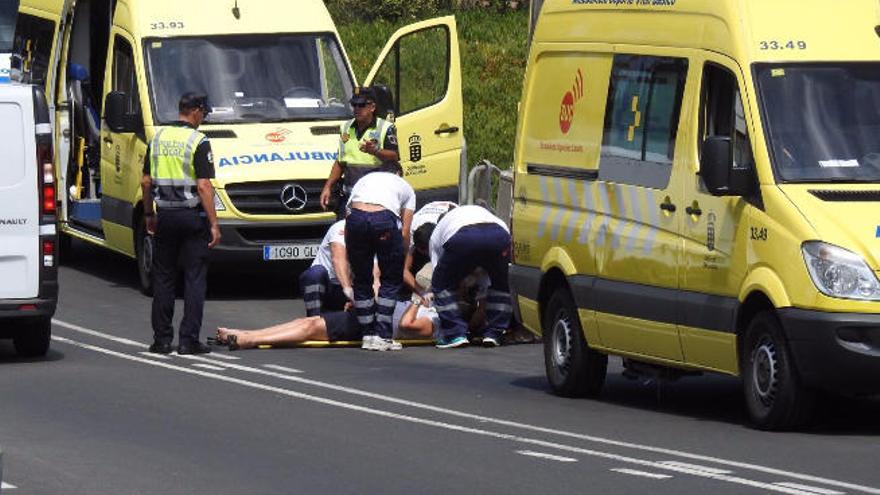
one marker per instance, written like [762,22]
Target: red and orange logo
[277,136]
[566,109]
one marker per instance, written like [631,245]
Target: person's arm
[339,258]
[335,175]
[406,220]
[204,167]
[409,322]
[408,279]
[147,196]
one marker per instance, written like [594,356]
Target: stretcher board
[314,344]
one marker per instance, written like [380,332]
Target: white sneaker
[380,344]
[369,342]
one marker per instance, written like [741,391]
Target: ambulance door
[713,229]
[639,199]
[122,155]
[420,65]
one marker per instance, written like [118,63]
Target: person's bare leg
[293,332]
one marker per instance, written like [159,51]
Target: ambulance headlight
[840,273]
[218,203]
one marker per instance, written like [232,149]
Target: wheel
[144,247]
[573,369]
[775,396]
[32,340]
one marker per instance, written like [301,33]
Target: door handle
[693,210]
[108,140]
[668,207]
[446,130]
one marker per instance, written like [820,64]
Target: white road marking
[6,486]
[810,489]
[434,423]
[208,367]
[154,355]
[542,455]
[513,424]
[696,467]
[225,357]
[282,368]
[643,474]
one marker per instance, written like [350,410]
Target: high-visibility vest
[356,162]
[172,167]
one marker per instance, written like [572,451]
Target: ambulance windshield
[822,120]
[253,78]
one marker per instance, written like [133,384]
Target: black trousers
[181,236]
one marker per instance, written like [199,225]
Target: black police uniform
[183,235]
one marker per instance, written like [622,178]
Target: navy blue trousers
[181,235]
[486,246]
[319,293]
[369,236]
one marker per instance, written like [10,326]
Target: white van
[29,288]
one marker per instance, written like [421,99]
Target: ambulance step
[637,370]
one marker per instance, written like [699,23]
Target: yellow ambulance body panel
[278,80]
[697,187]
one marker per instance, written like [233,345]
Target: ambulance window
[125,75]
[641,120]
[32,48]
[417,69]
[722,112]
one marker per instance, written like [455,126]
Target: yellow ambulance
[697,189]
[279,82]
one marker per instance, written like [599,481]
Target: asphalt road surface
[101,416]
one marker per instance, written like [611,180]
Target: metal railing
[490,187]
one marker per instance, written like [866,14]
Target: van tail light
[48,253]
[47,178]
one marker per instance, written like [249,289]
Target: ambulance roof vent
[847,196]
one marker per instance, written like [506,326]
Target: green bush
[494,52]
[370,10]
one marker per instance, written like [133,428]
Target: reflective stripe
[445,295]
[154,153]
[186,182]
[363,303]
[447,308]
[388,303]
[313,304]
[365,320]
[499,293]
[314,288]
[384,318]
[507,308]
[189,203]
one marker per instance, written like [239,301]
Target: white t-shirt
[454,221]
[336,234]
[429,213]
[386,190]
[429,312]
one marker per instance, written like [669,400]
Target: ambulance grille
[847,196]
[264,198]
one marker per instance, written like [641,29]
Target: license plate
[290,252]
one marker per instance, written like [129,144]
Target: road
[101,416]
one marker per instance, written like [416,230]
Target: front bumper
[835,352]
[242,242]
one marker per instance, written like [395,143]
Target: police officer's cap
[363,95]
[192,101]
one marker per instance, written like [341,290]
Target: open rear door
[8,16]
[420,65]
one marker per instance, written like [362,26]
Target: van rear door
[19,196]
[420,64]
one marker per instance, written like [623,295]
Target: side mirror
[117,119]
[384,101]
[717,169]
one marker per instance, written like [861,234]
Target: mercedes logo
[294,197]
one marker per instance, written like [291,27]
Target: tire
[776,398]
[144,248]
[573,369]
[32,340]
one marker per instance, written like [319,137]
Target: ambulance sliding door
[420,64]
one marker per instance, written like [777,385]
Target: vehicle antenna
[235,10]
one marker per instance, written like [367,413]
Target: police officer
[464,239]
[178,169]
[382,206]
[365,142]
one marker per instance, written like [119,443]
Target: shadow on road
[9,357]
[719,399]
[226,281]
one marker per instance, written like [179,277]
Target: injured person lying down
[413,321]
